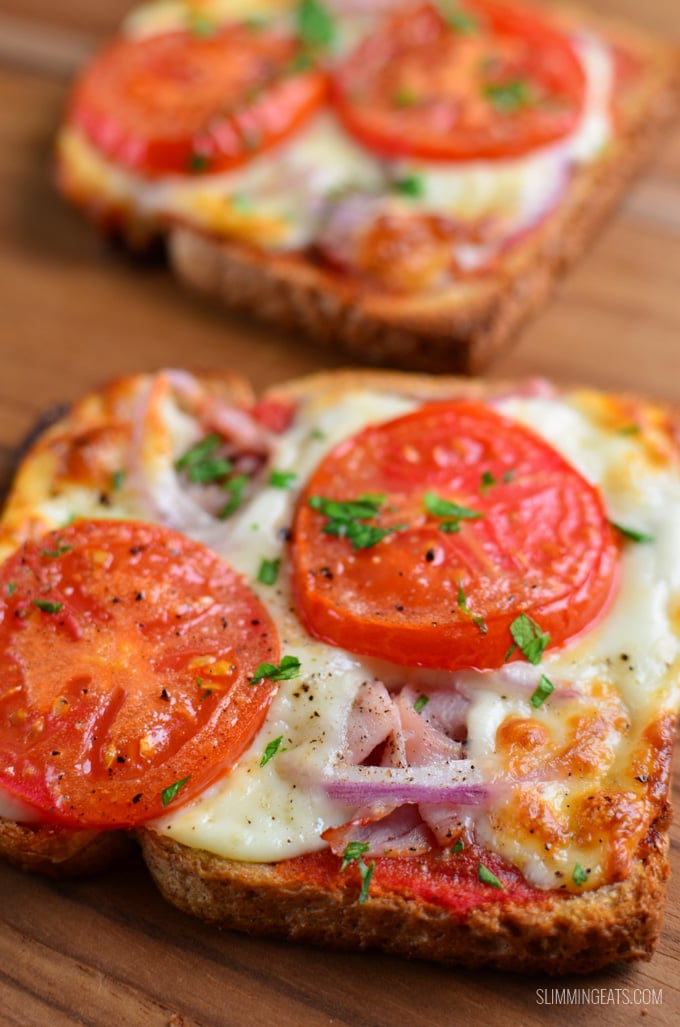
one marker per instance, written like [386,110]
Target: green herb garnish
[269,571]
[209,471]
[632,533]
[271,750]
[579,875]
[543,689]
[117,479]
[235,487]
[458,847]
[452,511]
[199,452]
[486,877]
[200,25]
[347,519]
[410,185]
[59,550]
[354,853]
[529,639]
[198,162]
[421,702]
[287,669]
[315,24]
[509,97]
[477,620]
[47,607]
[405,98]
[170,793]
[282,479]
[459,21]
[487,480]
[11,588]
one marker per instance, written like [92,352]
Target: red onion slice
[454,782]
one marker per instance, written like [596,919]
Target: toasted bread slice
[455,327]
[433,907]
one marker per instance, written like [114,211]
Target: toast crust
[460,329]
[61,852]
[575,934]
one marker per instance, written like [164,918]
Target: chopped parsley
[630,429]
[315,24]
[235,487]
[459,21]
[208,471]
[486,877]
[347,519]
[199,452]
[458,847]
[453,512]
[354,853]
[487,480]
[271,749]
[410,185]
[543,689]
[529,639]
[509,97]
[632,533]
[58,550]
[117,480]
[421,702]
[477,620]
[47,607]
[579,875]
[405,97]
[287,669]
[11,588]
[198,162]
[170,793]
[200,463]
[200,25]
[282,479]
[269,571]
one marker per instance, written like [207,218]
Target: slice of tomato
[492,80]
[441,591]
[125,652]
[180,103]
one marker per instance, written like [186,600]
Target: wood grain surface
[109,951]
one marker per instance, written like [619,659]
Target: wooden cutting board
[109,951]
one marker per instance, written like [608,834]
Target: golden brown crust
[61,852]
[578,934]
[461,328]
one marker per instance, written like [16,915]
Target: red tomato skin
[405,132]
[135,675]
[425,598]
[155,107]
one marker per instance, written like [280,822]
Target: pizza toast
[358,228]
[451,838]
